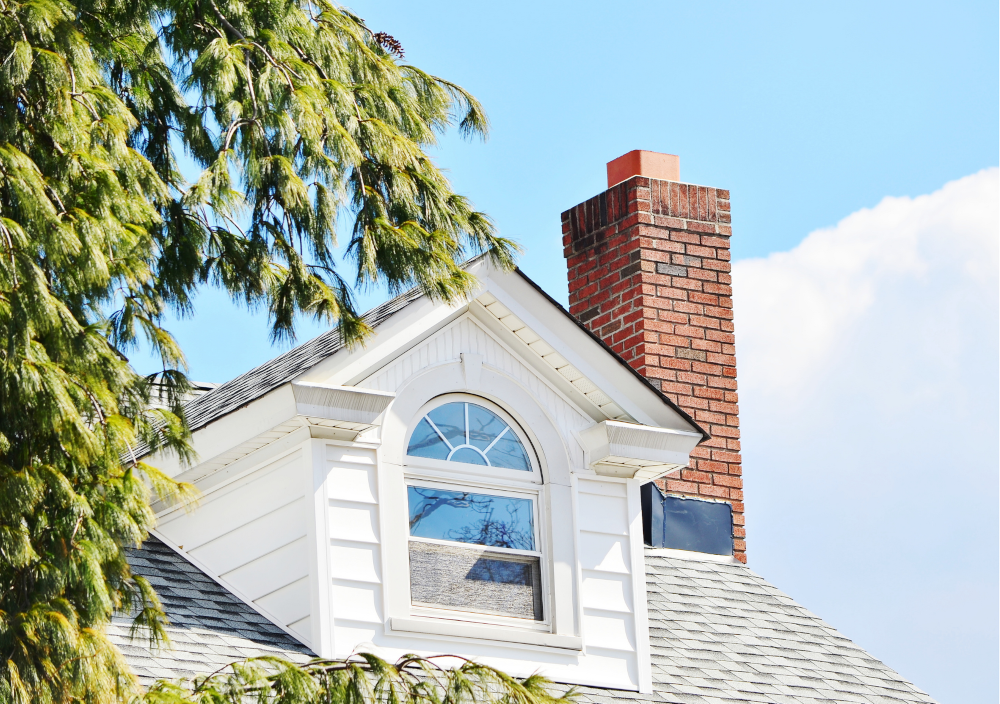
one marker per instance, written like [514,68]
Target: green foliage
[299,118]
[361,679]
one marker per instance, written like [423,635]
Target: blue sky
[808,113]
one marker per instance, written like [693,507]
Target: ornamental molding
[633,451]
[347,404]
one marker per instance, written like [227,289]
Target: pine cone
[389,44]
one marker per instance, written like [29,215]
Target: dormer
[468,483]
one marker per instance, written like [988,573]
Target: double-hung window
[474,526]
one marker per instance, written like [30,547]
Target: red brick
[729,480]
[692,475]
[683,487]
[716,491]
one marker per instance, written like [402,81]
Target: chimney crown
[665,167]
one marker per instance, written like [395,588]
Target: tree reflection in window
[465,517]
[466,432]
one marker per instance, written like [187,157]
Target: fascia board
[257,417]
[641,402]
[532,360]
[210,482]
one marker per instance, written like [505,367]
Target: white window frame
[498,481]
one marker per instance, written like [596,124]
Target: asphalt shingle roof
[209,626]
[719,634]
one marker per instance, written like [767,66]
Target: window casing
[475,529]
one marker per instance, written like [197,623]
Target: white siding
[606,541]
[251,536]
[301,538]
[354,551]
[607,594]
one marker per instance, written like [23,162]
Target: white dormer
[467,483]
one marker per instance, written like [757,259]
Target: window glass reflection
[465,517]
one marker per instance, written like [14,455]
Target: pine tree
[299,117]
[357,680]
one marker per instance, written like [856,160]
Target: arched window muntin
[533,475]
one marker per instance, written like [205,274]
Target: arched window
[474,546]
[467,432]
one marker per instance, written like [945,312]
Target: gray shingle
[209,627]
[720,634]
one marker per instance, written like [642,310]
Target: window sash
[529,495]
[470,612]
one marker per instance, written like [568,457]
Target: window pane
[473,579]
[509,453]
[466,441]
[467,454]
[450,420]
[482,519]
[426,443]
[484,426]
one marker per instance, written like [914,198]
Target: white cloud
[868,361]
[796,310]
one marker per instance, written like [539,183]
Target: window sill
[442,627]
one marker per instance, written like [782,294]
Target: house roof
[209,627]
[718,633]
[237,393]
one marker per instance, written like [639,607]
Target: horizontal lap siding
[354,549]
[606,583]
[609,609]
[251,535]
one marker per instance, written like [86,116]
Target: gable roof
[237,393]
[209,627]
[718,633]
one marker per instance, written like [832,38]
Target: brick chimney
[649,271]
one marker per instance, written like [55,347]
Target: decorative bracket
[616,449]
[350,407]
